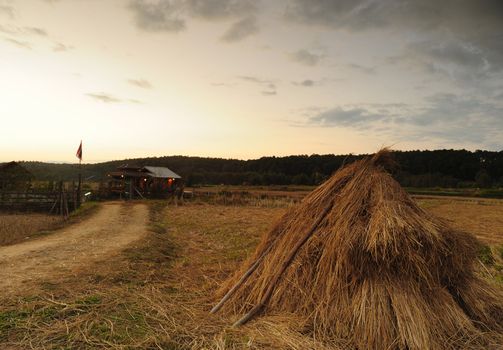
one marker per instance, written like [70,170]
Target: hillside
[439,168]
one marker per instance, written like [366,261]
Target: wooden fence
[60,202]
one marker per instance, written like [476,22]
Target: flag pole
[79,186]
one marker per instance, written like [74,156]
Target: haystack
[357,260]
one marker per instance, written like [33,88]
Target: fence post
[79,191]
[60,197]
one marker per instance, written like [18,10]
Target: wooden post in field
[74,196]
[55,203]
[79,186]
[64,200]
[67,212]
[60,197]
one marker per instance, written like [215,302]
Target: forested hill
[442,168]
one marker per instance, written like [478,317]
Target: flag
[79,151]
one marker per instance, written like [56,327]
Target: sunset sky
[247,78]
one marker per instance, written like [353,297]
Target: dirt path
[64,252]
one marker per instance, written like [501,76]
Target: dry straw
[359,261]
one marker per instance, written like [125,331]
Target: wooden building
[13,176]
[143,182]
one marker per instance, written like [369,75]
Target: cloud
[311,83]
[7,11]
[458,53]
[345,117]
[306,83]
[445,117]
[19,43]
[269,86]
[363,69]
[35,31]
[173,15]
[306,57]
[8,30]
[108,98]
[254,79]
[452,59]
[158,16]
[220,9]
[32,32]
[142,83]
[465,32]
[460,119]
[355,15]
[448,108]
[221,84]
[358,15]
[23,31]
[60,47]
[103,97]
[241,29]
[498,96]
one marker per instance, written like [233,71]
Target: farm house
[13,176]
[142,182]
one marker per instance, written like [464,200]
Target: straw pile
[357,260]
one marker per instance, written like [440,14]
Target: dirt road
[107,232]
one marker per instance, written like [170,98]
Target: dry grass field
[483,217]
[157,293]
[15,228]
[19,227]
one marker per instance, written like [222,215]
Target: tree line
[439,168]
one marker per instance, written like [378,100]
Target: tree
[483,179]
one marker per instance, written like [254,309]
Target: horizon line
[99,161]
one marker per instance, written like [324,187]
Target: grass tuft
[485,255]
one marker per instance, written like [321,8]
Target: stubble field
[156,293]
[15,228]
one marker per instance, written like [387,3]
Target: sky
[247,78]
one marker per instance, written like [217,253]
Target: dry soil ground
[144,276]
